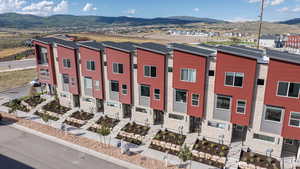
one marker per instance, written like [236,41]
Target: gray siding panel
[114,95]
[270,126]
[144,101]
[224,115]
[179,107]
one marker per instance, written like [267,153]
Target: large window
[295,119]
[180,96]
[263,137]
[90,65]
[188,75]
[65,78]
[88,82]
[157,94]
[234,79]
[288,89]
[145,91]
[114,86]
[67,63]
[223,102]
[273,114]
[241,106]
[150,71]
[124,89]
[118,68]
[195,100]
[43,56]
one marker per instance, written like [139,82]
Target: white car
[35,83]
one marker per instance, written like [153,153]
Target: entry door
[158,117]
[195,124]
[99,104]
[76,101]
[126,111]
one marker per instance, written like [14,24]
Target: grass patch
[12,51]
[16,78]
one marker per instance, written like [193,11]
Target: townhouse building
[224,93]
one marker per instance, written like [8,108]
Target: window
[217,125]
[65,78]
[260,82]
[289,141]
[88,83]
[195,99]
[87,99]
[43,55]
[124,89]
[223,102]
[273,113]
[157,94]
[142,110]
[263,137]
[44,72]
[145,91]
[180,96]
[288,89]
[67,63]
[188,75]
[118,68]
[90,65]
[112,104]
[150,71]
[241,106]
[234,79]
[211,73]
[97,84]
[176,116]
[170,69]
[295,119]
[114,86]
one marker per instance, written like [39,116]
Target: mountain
[294,21]
[14,20]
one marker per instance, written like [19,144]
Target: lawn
[12,51]
[16,78]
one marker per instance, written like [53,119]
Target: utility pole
[260,22]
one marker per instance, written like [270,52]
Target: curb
[18,69]
[78,148]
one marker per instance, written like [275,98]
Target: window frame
[155,94]
[89,63]
[141,90]
[288,89]
[290,118]
[68,61]
[198,100]
[188,70]
[117,63]
[230,103]
[150,71]
[114,81]
[185,96]
[85,82]
[233,80]
[63,77]
[237,106]
[124,89]
[265,111]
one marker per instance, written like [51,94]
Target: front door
[76,101]
[99,104]
[195,124]
[126,111]
[158,117]
[238,133]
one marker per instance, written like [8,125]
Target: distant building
[272,41]
[293,43]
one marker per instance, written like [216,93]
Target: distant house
[272,41]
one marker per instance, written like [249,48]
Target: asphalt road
[15,92]
[20,150]
[17,64]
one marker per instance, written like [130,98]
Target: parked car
[35,83]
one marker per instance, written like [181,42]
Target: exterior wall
[144,58]
[87,54]
[186,60]
[50,67]
[290,73]
[212,133]
[293,41]
[269,43]
[169,123]
[116,56]
[67,53]
[231,63]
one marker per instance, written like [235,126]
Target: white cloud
[268,2]
[196,9]
[131,11]
[46,8]
[297,9]
[89,7]
[284,9]
[277,2]
[11,5]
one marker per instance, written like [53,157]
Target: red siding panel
[87,54]
[232,63]
[145,57]
[290,73]
[117,56]
[186,60]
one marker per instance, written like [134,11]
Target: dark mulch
[50,117]
[73,124]
[130,140]
[260,160]
[81,115]
[211,148]
[136,129]
[33,101]
[16,103]
[170,137]
[55,107]
[162,149]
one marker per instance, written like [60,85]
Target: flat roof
[283,56]
[92,45]
[51,40]
[241,52]
[155,47]
[192,50]
[248,48]
[123,46]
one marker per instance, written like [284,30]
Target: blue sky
[232,10]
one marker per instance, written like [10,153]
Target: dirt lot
[16,78]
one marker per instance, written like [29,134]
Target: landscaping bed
[250,159]
[55,107]
[33,101]
[167,141]
[210,153]
[16,104]
[79,118]
[50,116]
[104,121]
[133,133]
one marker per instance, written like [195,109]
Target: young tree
[104,131]
[45,117]
[185,154]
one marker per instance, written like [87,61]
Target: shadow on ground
[9,163]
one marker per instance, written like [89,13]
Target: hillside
[291,21]
[13,20]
